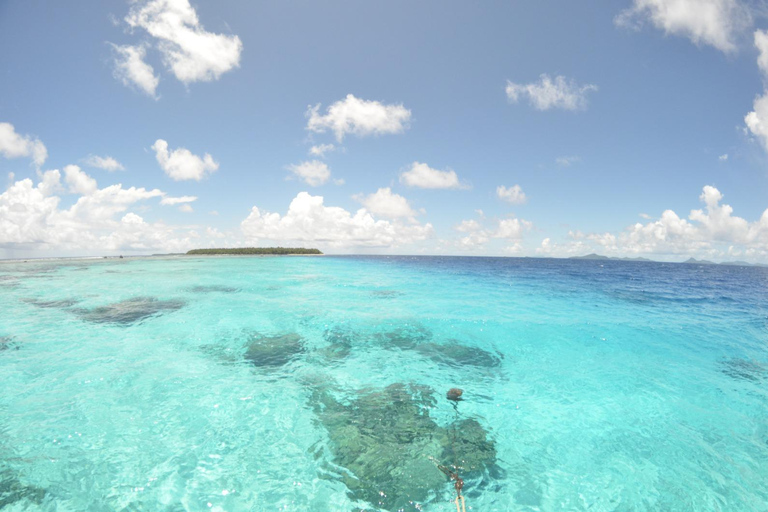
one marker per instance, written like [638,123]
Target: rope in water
[458,485]
[454,395]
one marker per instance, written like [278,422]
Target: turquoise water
[302,383]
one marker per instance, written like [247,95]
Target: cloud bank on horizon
[321,196]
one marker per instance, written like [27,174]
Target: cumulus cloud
[468,226]
[712,22]
[31,218]
[131,69]
[50,183]
[358,117]
[385,203]
[713,231]
[79,182]
[321,149]
[513,194]
[477,235]
[103,162]
[723,157]
[512,229]
[186,208]
[757,120]
[308,220]
[190,52]
[423,176]
[547,94]
[314,173]
[171,201]
[14,145]
[180,164]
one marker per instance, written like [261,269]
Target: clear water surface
[318,383]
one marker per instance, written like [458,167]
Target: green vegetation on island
[281,251]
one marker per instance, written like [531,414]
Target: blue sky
[652,105]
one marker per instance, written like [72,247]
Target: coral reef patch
[274,351]
[744,369]
[387,448]
[129,311]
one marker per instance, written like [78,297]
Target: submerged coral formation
[410,337]
[7,343]
[9,282]
[213,288]
[406,336]
[744,369]
[340,343]
[14,491]
[388,448]
[272,351]
[129,311]
[457,355]
[62,303]
[386,294]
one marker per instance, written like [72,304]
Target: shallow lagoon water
[293,383]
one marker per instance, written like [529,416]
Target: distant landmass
[594,256]
[689,261]
[278,251]
[694,261]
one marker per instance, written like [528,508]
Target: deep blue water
[318,383]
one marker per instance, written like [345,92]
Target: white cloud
[308,220]
[512,229]
[757,120]
[761,43]
[477,235]
[723,158]
[31,219]
[358,117]
[474,240]
[50,183]
[181,164]
[423,176]
[711,232]
[214,233]
[513,194]
[78,181]
[712,22]
[321,149]
[468,226]
[186,208]
[103,162]
[171,201]
[190,52]
[387,204]
[567,161]
[314,173]
[102,204]
[132,71]
[546,94]
[14,145]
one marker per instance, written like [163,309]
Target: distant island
[278,251]
[594,256]
[689,261]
